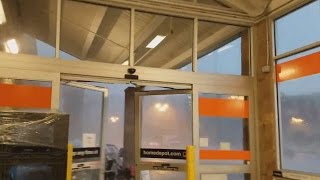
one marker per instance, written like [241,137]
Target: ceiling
[99,33]
[252,8]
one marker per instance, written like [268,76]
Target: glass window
[26,94]
[224,129]
[215,61]
[228,58]
[28,27]
[85,109]
[95,33]
[298,29]
[298,101]
[162,115]
[116,114]
[162,41]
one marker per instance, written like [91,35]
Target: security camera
[131,70]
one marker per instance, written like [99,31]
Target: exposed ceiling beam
[275,4]
[253,8]
[85,19]
[109,20]
[214,40]
[96,23]
[143,35]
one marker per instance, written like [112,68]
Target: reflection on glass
[162,41]
[28,27]
[298,28]
[95,33]
[299,120]
[85,110]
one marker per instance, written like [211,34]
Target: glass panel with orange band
[224,137]
[25,94]
[298,102]
[298,68]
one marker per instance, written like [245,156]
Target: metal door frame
[140,166]
[105,94]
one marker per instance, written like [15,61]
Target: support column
[265,101]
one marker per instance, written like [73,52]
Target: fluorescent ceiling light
[125,63]
[156,41]
[224,48]
[2,14]
[11,46]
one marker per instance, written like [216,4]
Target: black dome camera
[131,70]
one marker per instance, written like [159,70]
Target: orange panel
[25,96]
[224,107]
[300,67]
[224,155]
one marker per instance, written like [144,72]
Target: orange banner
[298,68]
[25,96]
[231,108]
[224,155]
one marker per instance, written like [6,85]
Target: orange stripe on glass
[298,68]
[231,108]
[224,155]
[25,96]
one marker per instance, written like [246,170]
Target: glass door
[86,105]
[225,130]
[164,125]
